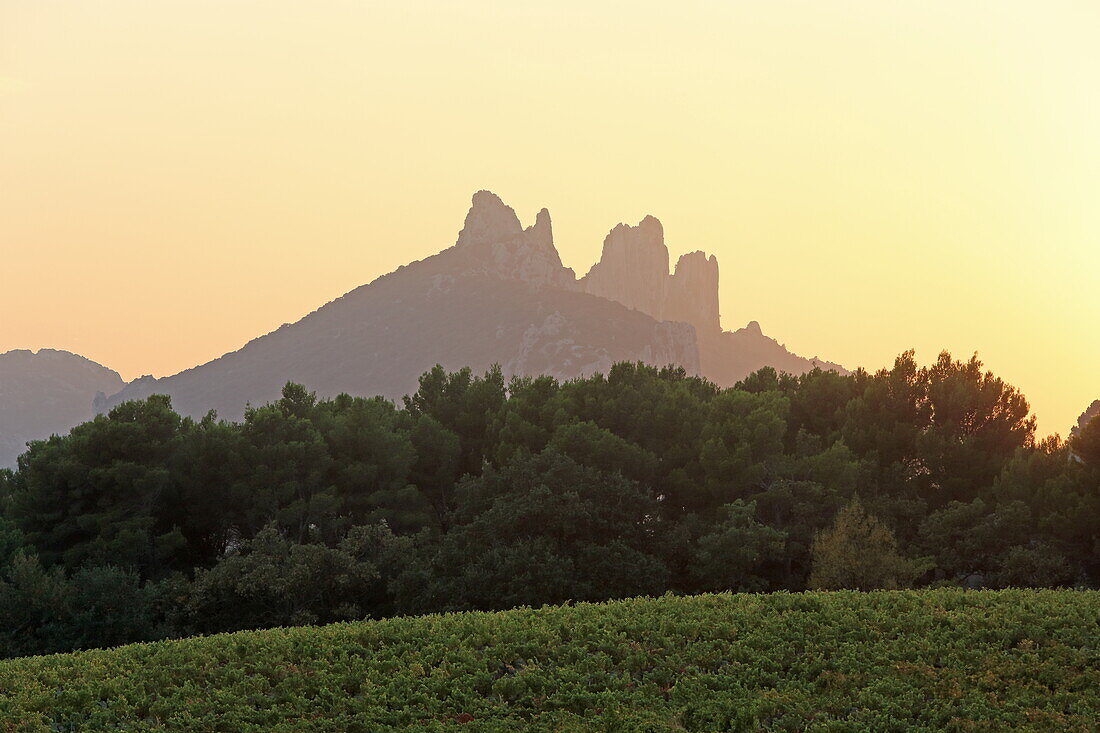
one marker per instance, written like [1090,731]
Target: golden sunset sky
[179,177]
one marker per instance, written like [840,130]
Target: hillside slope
[907,660]
[46,392]
[500,295]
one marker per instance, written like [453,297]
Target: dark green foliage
[463,404]
[738,552]
[99,494]
[270,581]
[545,530]
[42,611]
[475,493]
[977,423]
[967,538]
[1033,566]
[1086,444]
[889,661]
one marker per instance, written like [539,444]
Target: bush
[858,551]
[272,581]
[1034,566]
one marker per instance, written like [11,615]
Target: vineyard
[844,661]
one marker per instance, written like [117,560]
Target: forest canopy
[479,492]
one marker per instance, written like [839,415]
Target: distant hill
[927,660]
[499,295]
[46,392]
[730,356]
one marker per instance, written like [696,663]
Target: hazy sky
[178,177]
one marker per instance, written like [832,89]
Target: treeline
[483,493]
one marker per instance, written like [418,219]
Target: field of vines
[845,661]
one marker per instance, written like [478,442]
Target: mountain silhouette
[499,295]
[46,392]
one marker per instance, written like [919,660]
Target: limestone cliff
[633,270]
[497,244]
[692,294]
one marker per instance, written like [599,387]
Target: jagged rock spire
[489,221]
[693,292]
[633,270]
[499,245]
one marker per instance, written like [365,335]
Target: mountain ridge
[499,295]
[45,392]
[503,287]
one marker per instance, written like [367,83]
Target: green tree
[662,411]
[464,404]
[273,581]
[207,467]
[98,495]
[736,553]
[526,421]
[971,537]
[741,444]
[858,551]
[33,601]
[590,445]
[289,480]
[978,422]
[372,459]
[545,529]
[800,509]
[437,465]
[1086,444]
[42,611]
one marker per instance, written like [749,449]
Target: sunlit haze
[179,177]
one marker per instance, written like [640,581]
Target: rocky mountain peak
[541,232]
[489,220]
[497,244]
[753,328]
[633,270]
[693,292]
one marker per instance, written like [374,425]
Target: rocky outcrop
[498,245]
[557,347]
[44,393]
[500,295]
[633,270]
[692,295]
[730,356]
